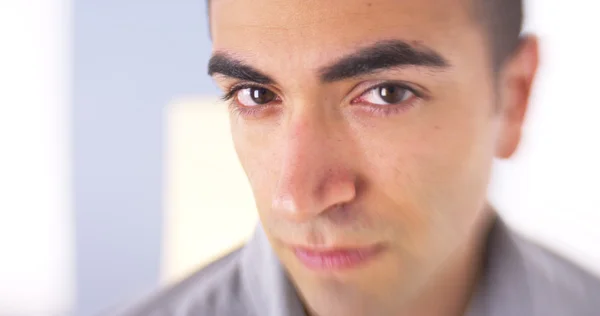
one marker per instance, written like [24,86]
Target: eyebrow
[222,63]
[379,56]
[382,55]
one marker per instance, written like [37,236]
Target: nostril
[338,207]
[339,212]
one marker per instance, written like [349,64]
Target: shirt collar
[503,287]
[270,290]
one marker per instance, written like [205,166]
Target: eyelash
[375,109]
[230,97]
[236,88]
[391,108]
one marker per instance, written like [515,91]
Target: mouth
[334,258]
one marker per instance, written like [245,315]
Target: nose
[315,174]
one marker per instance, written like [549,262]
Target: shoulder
[557,285]
[214,290]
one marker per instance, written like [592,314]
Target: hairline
[481,15]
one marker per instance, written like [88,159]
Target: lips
[336,258]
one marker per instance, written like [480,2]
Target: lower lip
[336,259]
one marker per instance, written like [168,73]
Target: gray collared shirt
[520,279]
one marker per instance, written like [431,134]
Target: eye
[387,94]
[253,96]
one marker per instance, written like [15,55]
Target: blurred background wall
[36,226]
[550,190]
[117,173]
[131,59]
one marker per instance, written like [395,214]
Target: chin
[340,300]
[362,290]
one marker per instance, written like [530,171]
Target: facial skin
[334,166]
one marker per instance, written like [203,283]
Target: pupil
[391,94]
[262,95]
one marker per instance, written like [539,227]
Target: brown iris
[392,94]
[262,95]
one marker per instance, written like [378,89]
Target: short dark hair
[503,21]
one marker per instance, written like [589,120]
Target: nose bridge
[304,153]
[312,178]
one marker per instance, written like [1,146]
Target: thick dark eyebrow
[381,55]
[221,63]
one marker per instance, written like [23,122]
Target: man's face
[367,130]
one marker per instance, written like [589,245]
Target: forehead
[313,31]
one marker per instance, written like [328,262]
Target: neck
[450,290]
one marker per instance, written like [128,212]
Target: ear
[515,85]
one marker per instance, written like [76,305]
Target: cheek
[259,162]
[456,173]
[435,174]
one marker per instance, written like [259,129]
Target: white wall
[36,270]
[551,190]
